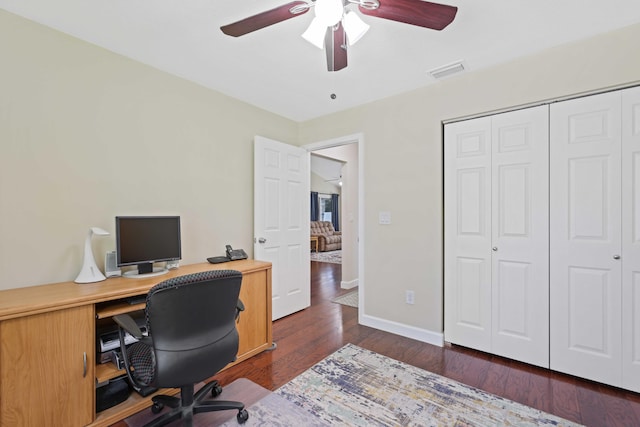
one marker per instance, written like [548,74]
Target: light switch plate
[384,218]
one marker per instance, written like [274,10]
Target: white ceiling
[275,69]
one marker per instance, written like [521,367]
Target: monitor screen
[143,240]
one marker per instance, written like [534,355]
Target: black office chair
[191,335]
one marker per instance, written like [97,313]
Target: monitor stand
[145,270]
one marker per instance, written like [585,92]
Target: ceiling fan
[334,26]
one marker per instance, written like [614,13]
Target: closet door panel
[467,233]
[585,238]
[588,194]
[589,311]
[470,287]
[631,239]
[520,235]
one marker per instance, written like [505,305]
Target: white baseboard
[350,284]
[424,335]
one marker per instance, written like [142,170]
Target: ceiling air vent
[447,70]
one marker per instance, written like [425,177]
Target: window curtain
[315,206]
[335,220]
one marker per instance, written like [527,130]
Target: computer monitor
[143,240]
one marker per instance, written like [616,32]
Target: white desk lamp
[90,272]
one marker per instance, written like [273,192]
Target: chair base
[189,404]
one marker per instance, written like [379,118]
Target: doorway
[349,150]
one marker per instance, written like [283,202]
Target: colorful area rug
[334,257]
[357,387]
[350,299]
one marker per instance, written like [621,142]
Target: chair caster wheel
[243,416]
[216,391]
[157,407]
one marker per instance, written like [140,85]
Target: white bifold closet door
[496,234]
[585,239]
[631,239]
[467,225]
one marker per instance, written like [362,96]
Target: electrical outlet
[409,297]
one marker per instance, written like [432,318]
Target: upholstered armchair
[328,238]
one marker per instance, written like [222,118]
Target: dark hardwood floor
[307,337]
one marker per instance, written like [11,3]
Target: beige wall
[86,135]
[403,161]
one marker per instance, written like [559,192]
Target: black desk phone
[235,254]
[232,255]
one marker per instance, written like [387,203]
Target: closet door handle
[494,249]
[616,257]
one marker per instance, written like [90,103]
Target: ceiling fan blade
[264,19]
[335,43]
[415,12]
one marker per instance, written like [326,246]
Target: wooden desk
[48,370]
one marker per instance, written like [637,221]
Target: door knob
[616,257]
[494,249]
[262,240]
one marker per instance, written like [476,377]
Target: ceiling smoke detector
[447,70]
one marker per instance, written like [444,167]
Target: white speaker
[111,265]
[172,265]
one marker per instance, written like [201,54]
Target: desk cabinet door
[46,366]
[254,324]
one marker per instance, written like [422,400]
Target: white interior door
[281,221]
[467,225]
[520,235]
[585,238]
[631,239]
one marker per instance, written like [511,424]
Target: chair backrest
[191,320]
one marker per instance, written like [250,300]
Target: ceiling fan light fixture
[329,12]
[354,26]
[315,33]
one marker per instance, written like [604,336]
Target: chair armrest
[337,233]
[127,323]
[239,308]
